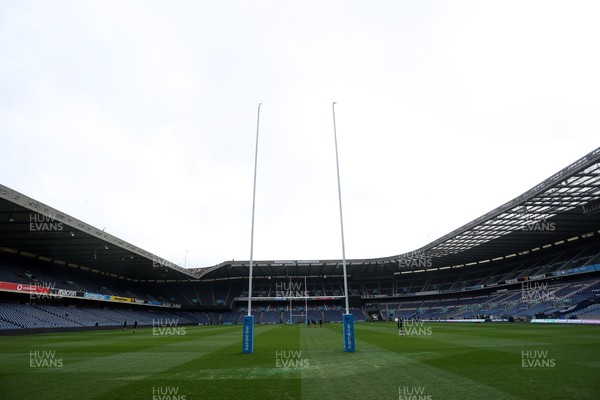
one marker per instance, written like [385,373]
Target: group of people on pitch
[134,325]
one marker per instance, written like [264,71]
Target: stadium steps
[103,317]
[214,317]
[82,316]
[56,315]
[196,317]
[240,315]
[582,288]
[365,314]
[577,309]
[592,309]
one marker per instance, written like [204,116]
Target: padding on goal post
[348,323]
[248,335]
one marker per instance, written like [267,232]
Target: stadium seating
[457,294]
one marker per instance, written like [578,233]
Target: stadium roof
[564,206]
[33,229]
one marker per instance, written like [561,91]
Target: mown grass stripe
[453,362]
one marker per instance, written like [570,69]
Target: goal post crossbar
[318,298]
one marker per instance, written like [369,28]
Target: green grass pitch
[437,361]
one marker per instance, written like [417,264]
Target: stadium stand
[536,256]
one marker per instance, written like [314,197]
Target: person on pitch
[400,326]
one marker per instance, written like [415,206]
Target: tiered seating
[24,316]
[315,315]
[593,309]
[358,315]
[270,317]
[214,317]
[5,325]
[511,303]
[230,317]
[333,315]
[31,317]
[196,316]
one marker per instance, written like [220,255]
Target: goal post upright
[305,302]
[347,318]
[248,323]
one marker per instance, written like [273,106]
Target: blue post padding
[248,335]
[348,323]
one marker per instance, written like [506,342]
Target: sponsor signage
[566,321]
[455,320]
[96,296]
[427,292]
[53,292]
[536,277]
[65,293]
[24,288]
[121,299]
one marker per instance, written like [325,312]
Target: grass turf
[436,361]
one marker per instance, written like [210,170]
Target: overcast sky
[140,117]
